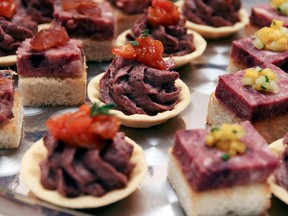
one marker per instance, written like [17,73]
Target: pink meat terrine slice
[208,184]
[244,55]
[262,15]
[56,76]
[94,25]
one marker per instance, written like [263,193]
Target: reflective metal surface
[155,196]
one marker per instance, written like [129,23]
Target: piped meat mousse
[214,19]
[165,24]
[139,82]
[83,160]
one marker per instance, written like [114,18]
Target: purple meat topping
[205,169]
[214,13]
[13,32]
[262,15]
[78,171]
[243,52]
[63,61]
[250,104]
[81,25]
[6,95]
[174,38]
[131,6]
[139,89]
[41,11]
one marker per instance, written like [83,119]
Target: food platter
[155,196]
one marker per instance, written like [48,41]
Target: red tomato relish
[48,38]
[81,129]
[144,50]
[7,8]
[163,12]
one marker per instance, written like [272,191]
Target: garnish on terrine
[257,94]
[222,170]
[83,161]
[279,181]
[214,19]
[91,22]
[165,24]
[268,45]
[51,69]
[15,27]
[140,84]
[11,111]
[262,15]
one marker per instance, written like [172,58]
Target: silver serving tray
[155,196]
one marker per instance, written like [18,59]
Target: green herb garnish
[134,43]
[263,87]
[96,109]
[266,78]
[234,131]
[145,33]
[225,157]
[214,129]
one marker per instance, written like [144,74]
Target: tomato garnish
[7,8]
[49,38]
[163,12]
[87,7]
[145,50]
[81,129]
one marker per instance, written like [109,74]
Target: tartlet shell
[198,41]
[141,120]
[30,172]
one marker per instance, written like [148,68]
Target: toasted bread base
[277,148]
[141,120]
[270,129]
[11,130]
[53,91]
[238,200]
[30,172]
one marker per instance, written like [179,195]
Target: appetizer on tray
[15,27]
[140,84]
[83,161]
[91,22]
[222,170]
[279,181]
[51,69]
[263,14]
[165,24]
[257,94]
[214,19]
[11,112]
[269,45]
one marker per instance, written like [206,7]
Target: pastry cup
[220,32]
[141,120]
[199,42]
[278,147]
[30,172]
